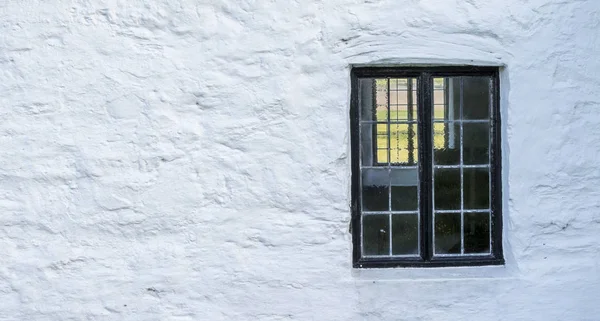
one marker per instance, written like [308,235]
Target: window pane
[403,99]
[374,144]
[381,99]
[403,144]
[477,232]
[366,99]
[404,198]
[376,240]
[476,97]
[404,182]
[375,195]
[447,233]
[476,143]
[382,143]
[439,99]
[405,229]
[373,99]
[477,188]
[447,189]
[446,143]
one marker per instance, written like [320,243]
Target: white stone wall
[189,159]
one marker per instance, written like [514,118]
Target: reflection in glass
[477,232]
[381,100]
[375,193]
[374,154]
[376,240]
[366,99]
[403,99]
[447,189]
[476,97]
[403,144]
[476,143]
[405,229]
[447,233]
[404,198]
[477,188]
[446,144]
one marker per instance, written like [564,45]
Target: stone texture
[189,160]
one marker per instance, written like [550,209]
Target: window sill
[434,263]
[491,272]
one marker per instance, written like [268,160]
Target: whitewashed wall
[189,160]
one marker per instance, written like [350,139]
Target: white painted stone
[189,160]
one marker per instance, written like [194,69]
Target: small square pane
[447,233]
[405,234]
[476,97]
[476,143]
[374,144]
[382,143]
[381,99]
[403,99]
[404,198]
[399,94]
[403,144]
[447,189]
[375,194]
[477,188]
[366,99]
[446,143]
[477,232]
[439,99]
[398,83]
[376,239]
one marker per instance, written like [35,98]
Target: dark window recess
[426,187]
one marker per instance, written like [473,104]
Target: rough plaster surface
[189,160]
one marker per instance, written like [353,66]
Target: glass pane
[476,143]
[477,188]
[366,99]
[376,240]
[447,233]
[405,229]
[447,189]
[403,99]
[375,195]
[374,144]
[439,99]
[476,97]
[446,143]
[404,198]
[477,232]
[381,99]
[403,144]
[382,132]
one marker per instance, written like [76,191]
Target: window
[426,182]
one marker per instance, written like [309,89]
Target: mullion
[425,143]
[409,116]
[389,159]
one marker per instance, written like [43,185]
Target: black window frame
[425,86]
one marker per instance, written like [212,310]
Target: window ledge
[491,272]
